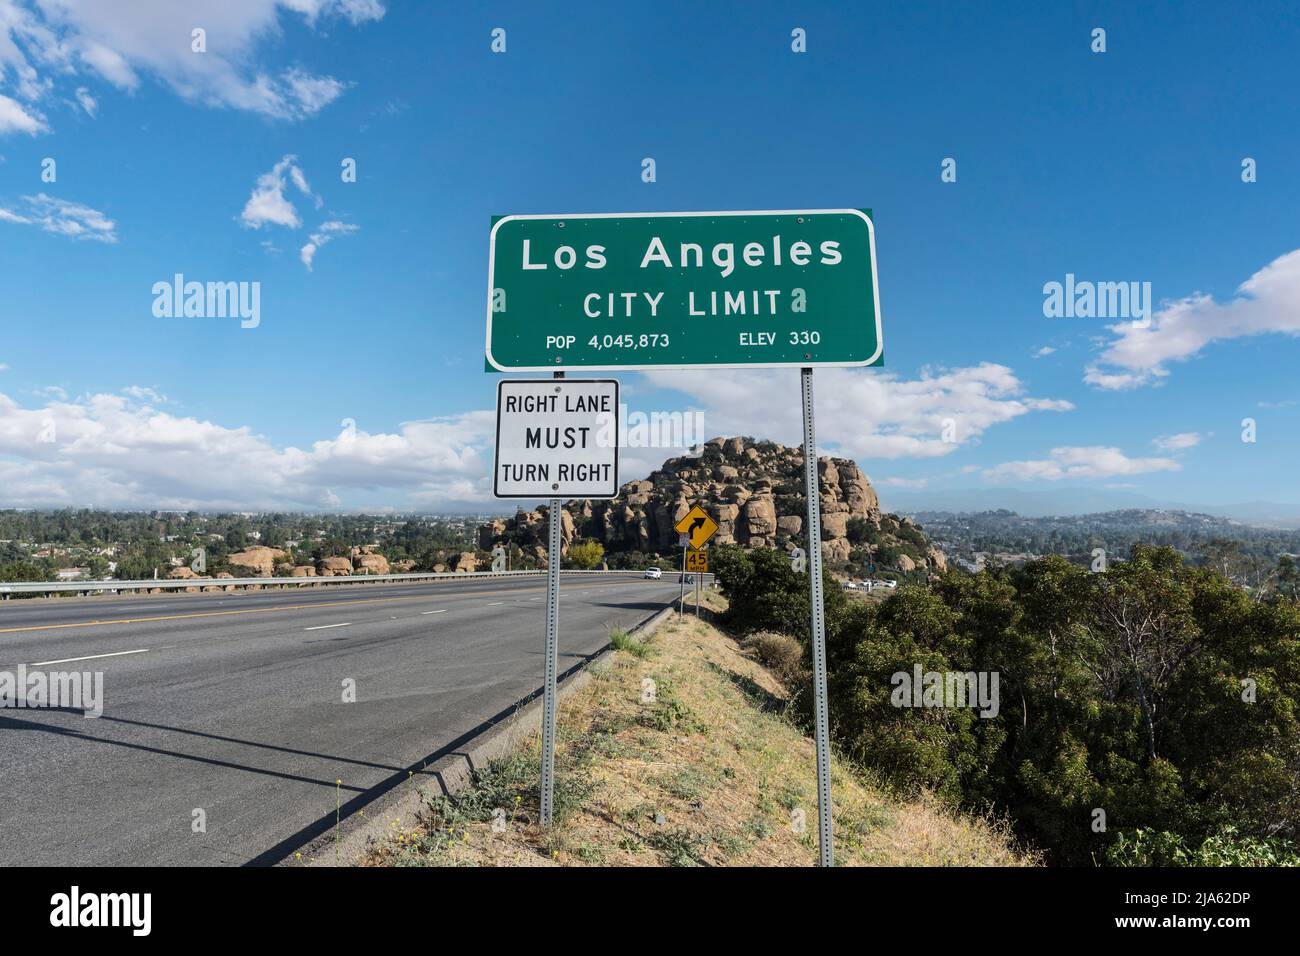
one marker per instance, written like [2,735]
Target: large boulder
[760,516]
[463,563]
[490,532]
[334,566]
[835,525]
[303,571]
[260,558]
[371,564]
[836,549]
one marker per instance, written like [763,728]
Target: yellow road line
[266,610]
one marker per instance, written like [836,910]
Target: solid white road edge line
[322,627]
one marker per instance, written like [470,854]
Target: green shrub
[1156,691]
[1225,848]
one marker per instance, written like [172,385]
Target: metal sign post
[681,601]
[552,656]
[818,622]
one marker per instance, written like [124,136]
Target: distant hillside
[1081,500]
[755,492]
[1245,553]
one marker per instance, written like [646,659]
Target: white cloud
[322,235]
[1269,301]
[63,218]
[869,413]
[904,482]
[1044,351]
[1180,442]
[268,205]
[117,451]
[87,102]
[1089,462]
[16,119]
[145,393]
[122,42]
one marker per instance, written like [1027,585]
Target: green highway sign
[683,290]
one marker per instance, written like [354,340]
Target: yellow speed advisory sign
[697,561]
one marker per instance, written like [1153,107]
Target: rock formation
[260,558]
[754,490]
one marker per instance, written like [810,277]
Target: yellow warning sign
[698,527]
[697,561]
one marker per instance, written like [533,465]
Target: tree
[585,555]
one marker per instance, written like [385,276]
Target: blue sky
[1115,166]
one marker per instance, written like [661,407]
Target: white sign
[556,438]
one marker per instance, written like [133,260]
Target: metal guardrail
[112,587]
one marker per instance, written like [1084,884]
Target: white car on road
[654,573]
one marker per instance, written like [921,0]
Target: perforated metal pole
[556,523]
[681,601]
[818,622]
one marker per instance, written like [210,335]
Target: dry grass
[708,773]
[779,653]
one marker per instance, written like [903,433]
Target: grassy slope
[709,773]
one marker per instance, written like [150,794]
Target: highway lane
[235,707]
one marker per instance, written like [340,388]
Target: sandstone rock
[371,564]
[181,574]
[760,516]
[464,562]
[303,571]
[742,484]
[936,559]
[835,525]
[836,549]
[334,566]
[490,532]
[260,558]
[905,563]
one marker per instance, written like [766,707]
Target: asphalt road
[232,703]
